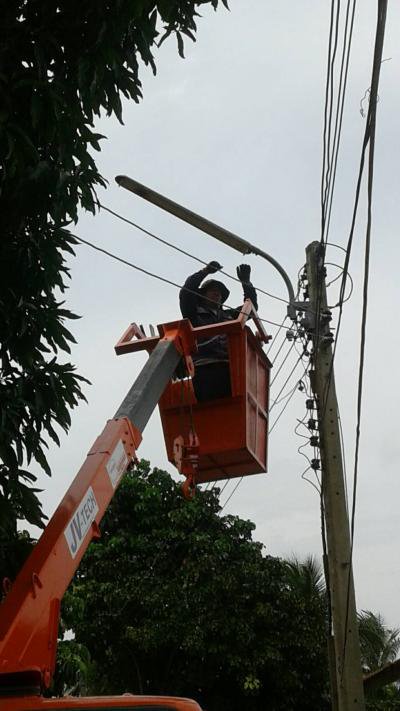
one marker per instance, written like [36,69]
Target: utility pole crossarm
[210,228]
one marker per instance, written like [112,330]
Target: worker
[202,304]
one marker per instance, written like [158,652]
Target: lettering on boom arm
[81,521]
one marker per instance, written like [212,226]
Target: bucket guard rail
[134,339]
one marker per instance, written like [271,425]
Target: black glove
[243,272]
[212,267]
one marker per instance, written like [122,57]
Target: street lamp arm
[284,275]
[214,230]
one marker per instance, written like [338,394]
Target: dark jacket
[202,313]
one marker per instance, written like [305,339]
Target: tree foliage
[61,64]
[380,645]
[187,604]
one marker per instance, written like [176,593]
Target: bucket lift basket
[232,431]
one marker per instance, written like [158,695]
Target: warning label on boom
[81,522]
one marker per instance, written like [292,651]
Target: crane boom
[29,616]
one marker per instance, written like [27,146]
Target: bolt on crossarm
[349,683]
[210,228]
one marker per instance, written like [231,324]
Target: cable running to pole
[152,274]
[182,251]
[380,34]
[331,173]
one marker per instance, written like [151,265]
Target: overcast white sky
[234,132]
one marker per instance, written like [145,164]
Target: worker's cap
[215,284]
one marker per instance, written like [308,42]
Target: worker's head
[214,291]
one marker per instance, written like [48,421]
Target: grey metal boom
[142,398]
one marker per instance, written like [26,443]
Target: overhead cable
[275,337]
[286,403]
[331,174]
[286,382]
[368,140]
[328,110]
[283,362]
[182,251]
[289,396]
[155,276]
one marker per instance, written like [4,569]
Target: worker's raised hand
[213,267]
[243,272]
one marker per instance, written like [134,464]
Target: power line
[275,337]
[287,401]
[153,275]
[182,251]
[303,476]
[281,326]
[295,387]
[371,128]
[289,396]
[339,114]
[329,167]
[329,162]
[286,381]
[326,162]
[338,246]
[232,493]
[283,362]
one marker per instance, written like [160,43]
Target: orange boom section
[100,703]
[29,615]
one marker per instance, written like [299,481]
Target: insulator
[312,424]
[328,338]
[290,334]
[315,464]
[310,404]
[326,315]
[314,441]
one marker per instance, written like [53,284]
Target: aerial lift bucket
[228,436]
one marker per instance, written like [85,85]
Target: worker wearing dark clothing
[202,304]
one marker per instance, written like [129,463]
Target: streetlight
[220,233]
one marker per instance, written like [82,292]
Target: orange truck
[29,615]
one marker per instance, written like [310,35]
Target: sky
[234,132]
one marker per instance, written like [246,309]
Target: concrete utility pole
[347,666]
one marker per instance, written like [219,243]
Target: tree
[308,578]
[62,63]
[379,646]
[75,672]
[188,605]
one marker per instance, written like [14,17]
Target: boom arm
[29,616]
